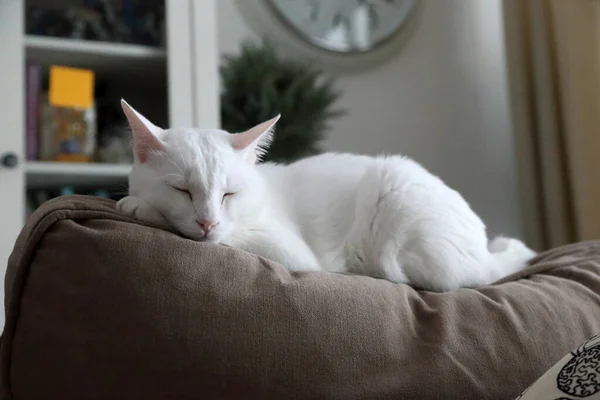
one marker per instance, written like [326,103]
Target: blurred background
[500,98]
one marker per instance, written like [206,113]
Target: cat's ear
[253,143]
[145,133]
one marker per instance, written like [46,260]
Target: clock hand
[322,15]
[358,25]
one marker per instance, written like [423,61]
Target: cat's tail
[507,257]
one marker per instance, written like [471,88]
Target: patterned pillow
[576,376]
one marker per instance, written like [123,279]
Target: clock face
[344,26]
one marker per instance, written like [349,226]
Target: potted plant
[258,84]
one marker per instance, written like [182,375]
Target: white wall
[441,100]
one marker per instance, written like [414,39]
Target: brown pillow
[100,307]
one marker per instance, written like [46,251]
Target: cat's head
[203,182]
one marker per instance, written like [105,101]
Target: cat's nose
[207,225]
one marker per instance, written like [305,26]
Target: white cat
[385,217]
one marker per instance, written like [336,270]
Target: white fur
[385,217]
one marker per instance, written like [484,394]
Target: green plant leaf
[257,84]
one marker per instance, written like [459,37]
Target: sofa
[99,306]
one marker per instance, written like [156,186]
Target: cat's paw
[128,206]
[137,208]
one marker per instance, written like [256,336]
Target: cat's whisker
[176,166]
[172,174]
[182,157]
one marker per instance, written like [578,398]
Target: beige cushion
[100,307]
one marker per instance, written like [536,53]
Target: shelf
[102,57]
[51,174]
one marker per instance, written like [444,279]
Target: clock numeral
[373,16]
[337,19]
[314,14]
[314,10]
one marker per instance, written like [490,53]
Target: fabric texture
[101,307]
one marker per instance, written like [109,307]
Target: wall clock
[345,33]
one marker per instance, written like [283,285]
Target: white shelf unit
[105,59]
[177,86]
[41,174]
[117,63]
[101,57]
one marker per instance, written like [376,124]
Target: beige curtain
[553,55]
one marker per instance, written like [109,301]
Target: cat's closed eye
[182,190]
[225,195]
